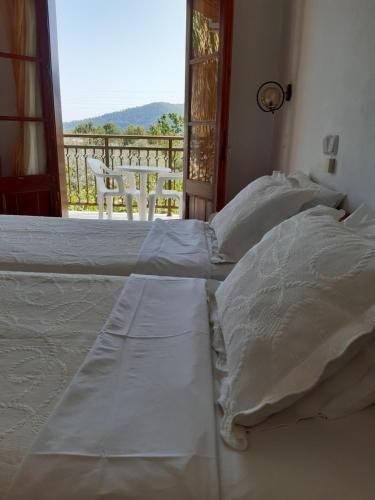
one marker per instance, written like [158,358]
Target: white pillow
[362,219]
[350,389]
[323,195]
[259,207]
[289,311]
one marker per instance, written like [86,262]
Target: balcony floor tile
[77,214]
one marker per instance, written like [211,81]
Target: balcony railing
[115,150]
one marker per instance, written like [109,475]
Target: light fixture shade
[270,96]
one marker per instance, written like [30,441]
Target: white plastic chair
[160,192]
[105,194]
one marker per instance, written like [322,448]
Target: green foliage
[141,115]
[89,128]
[85,128]
[110,129]
[135,130]
[168,124]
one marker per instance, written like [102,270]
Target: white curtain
[34,146]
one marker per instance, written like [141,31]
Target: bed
[186,248]
[137,419]
[42,244]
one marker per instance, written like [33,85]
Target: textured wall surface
[334,94]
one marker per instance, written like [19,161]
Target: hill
[142,115]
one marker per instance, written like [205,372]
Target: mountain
[142,115]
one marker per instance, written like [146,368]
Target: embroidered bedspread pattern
[175,248]
[47,325]
[138,419]
[43,244]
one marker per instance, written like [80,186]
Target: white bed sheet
[55,245]
[310,460]
[47,325]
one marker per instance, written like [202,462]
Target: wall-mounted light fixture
[271,96]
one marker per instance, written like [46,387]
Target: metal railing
[115,150]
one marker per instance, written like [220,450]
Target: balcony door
[31,147]
[208,57]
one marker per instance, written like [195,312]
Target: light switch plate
[332,165]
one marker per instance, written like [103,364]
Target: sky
[116,54]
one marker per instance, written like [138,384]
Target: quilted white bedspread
[47,325]
[46,244]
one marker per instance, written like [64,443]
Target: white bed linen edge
[138,419]
[175,248]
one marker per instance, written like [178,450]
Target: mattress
[55,245]
[47,325]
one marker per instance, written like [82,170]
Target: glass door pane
[22,148]
[204,90]
[20,94]
[204,68]
[22,142]
[202,153]
[17,27]
[205,39]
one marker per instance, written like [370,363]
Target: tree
[85,128]
[111,129]
[135,130]
[168,124]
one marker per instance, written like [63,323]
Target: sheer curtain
[30,156]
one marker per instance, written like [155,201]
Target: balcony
[116,150]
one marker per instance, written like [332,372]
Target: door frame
[213,193]
[42,194]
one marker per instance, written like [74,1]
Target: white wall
[334,93]
[258,47]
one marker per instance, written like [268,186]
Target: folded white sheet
[138,419]
[175,248]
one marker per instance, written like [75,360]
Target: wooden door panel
[30,195]
[37,203]
[201,207]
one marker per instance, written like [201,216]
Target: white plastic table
[143,171]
